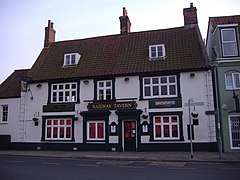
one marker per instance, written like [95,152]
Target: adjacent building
[132,91]
[223,48]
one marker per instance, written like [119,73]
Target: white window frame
[160,85]
[170,124]
[104,89]
[58,126]
[230,131]
[231,83]
[4,113]
[71,59]
[151,47]
[96,131]
[233,42]
[64,91]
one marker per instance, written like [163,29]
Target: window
[160,87]
[157,51]
[58,129]
[95,130]
[104,90]
[235,132]
[66,92]
[4,113]
[232,80]
[229,42]
[166,127]
[71,59]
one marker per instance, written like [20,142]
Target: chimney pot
[49,34]
[125,23]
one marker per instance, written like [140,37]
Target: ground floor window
[235,132]
[95,130]
[166,127]
[58,129]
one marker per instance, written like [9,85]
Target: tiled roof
[11,87]
[122,55]
[215,21]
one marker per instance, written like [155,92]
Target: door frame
[123,133]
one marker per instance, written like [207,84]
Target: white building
[123,92]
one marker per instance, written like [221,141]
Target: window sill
[3,122]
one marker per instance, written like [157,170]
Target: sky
[22,22]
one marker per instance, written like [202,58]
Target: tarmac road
[48,168]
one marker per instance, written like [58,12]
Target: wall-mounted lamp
[126,79]
[192,75]
[35,120]
[39,85]
[86,82]
[194,114]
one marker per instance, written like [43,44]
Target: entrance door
[129,135]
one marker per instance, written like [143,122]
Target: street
[40,168]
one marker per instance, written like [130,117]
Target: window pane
[172,89]
[73,59]
[68,132]
[160,51]
[61,86]
[229,81]
[174,119]
[228,35]
[171,79]
[68,59]
[230,49]
[49,132]
[153,52]
[101,95]
[166,119]
[101,84]
[55,122]
[108,94]
[147,91]
[69,122]
[157,120]
[166,131]
[100,130]
[55,132]
[61,122]
[54,97]
[74,86]
[174,131]
[61,132]
[108,84]
[74,96]
[237,80]
[155,90]
[158,131]
[92,131]
[49,122]
[67,86]
[155,80]
[54,87]
[67,97]
[163,90]
[147,81]
[163,79]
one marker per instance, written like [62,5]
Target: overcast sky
[23,22]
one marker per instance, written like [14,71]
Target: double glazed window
[229,42]
[232,80]
[71,59]
[160,87]
[166,127]
[4,113]
[58,129]
[95,130]
[66,92]
[104,90]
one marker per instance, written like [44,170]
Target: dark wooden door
[129,135]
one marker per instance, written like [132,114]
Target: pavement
[211,157]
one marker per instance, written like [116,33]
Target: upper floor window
[4,113]
[232,80]
[229,42]
[71,59]
[160,87]
[104,90]
[64,92]
[157,51]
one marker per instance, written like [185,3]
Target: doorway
[129,135]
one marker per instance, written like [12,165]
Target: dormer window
[229,42]
[157,51]
[71,59]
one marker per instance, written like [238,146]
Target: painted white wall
[11,126]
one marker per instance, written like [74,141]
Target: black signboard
[165,103]
[59,108]
[112,105]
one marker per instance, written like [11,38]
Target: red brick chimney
[125,24]
[49,34]
[190,15]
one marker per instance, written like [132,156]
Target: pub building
[132,91]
